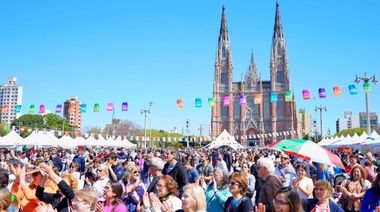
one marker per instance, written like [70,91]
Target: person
[220,162]
[167,191]
[80,159]
[322,201]
[61,201]
[371,197]
[371,175]
[84,200]
[26,193]
[271,183]
[73,169]
[56,161]
[133,188]
[115,168]
[302,184]
[155,169]
[193,199]
[285,200]
[205,169]
[102,180]
[5,199]
[322,172]
[238,185]
[259,181]
[285,171]
[192,173]
[250,178]
[353,161]
[112,195]
[353,189]
[175,169]
[217,191]
[4,180]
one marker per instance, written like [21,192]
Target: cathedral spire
[278,33]
[223,34]
[251,77]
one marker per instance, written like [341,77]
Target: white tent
[79,141]
[225,139]
[11,139]
[66,142]
[46,139]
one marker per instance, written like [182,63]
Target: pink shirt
[120,208]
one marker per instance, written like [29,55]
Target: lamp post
[320,114]
[150,123]
[187,132]
[145,111]
[366,80]
[315,121]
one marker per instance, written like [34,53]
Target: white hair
[267,163]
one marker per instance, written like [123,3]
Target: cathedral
[253,106]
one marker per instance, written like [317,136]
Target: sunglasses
[98,170]
[136,172]
[232,183]
[279,202]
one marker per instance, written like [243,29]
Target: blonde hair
[104,169]
[73,181]
[324,184]
[5,199]
[88,195]
[199,195]
[129,172]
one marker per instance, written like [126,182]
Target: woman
[193,199]
[26,193]
[250,178]
[371,175]
[322,172]
[302,184]
[371,197]
[133,188]
[285,200]
[129,161]
[102,180]
[353,189]
[5,199]
[3,163]
[238,201]
[73,169]
[322,201]
[112,195]
[167,189]
[61,201]
[217,191]
[85,200]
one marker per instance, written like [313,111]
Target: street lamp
[366,80]
[145,111]
[320,114]
[150,123]
[187,132]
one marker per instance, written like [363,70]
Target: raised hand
[155,202]
[260,208]
[146,200]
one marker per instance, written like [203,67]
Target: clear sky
[160,51]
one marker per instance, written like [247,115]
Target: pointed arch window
[280,108]
[266,108]
[223,111]
[236,104]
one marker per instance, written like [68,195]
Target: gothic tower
[257,116]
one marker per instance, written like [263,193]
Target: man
[47,158]
[221,163]
[80,160]
[271,183]
[285,171]
[56,161]
[192,173]
[205,169]
[155,169]
[122,156]
[175,169]
[116,169]
[353,161]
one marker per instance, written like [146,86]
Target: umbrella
[308,150]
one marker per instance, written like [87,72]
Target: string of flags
[337,91]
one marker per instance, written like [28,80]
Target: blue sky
[160,51]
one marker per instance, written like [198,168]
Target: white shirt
[222,165]
[303,184]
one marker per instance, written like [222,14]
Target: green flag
[367,88]
[288,96]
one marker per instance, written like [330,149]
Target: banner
[4,109]
[288,96]
[109,107]
[367,88]
[273,97]
[83,108]
[31,109]
[42,109]
[211,101]
[243,100]
[306,95]
[96,108]
[352,89]
[18,109]
[322,93]
[179,103]
[337,91]
[124,106]
[226,101]
[257,99]
[198,102]
[71,108]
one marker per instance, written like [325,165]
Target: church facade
[254,106]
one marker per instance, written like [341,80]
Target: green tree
[350,132]
[5,128]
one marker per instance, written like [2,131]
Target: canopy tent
[46,139]
[11,139]
[66,142]
[225,139]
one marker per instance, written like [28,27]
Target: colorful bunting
[179,103]
[31,109]
[288,96]
[6,126]
[110,107]
[226,101]
[4,109]
[211,101]
[42,109]
[257,99]
[58,109]
[243,100]
[96,108]
[83,108]
[306,95]
[273,97]
[198,102]
[367,88]
[337,91]
[322,93]
[124,106]
[352,89]
[18,108]
[71,109]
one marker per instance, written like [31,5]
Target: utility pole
[320,113]
[187,132]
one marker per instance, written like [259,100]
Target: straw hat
[33,170]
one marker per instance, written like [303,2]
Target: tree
[119,127]
[350,132]
[5,128]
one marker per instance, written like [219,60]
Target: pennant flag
[124,106]
[6,126]
[110,107]
[243,100]
[18,108]
[198,102]
[226,101]
[4,109]
[337,91]
[58,109]
[71,108]
[42,109]
[322,93]
[273,97]
[257,99]
[29,130]
[352,89]
[288,96]
[306,94]
[83,108]
[31,109]
[96,108]
[179,103]
[22,129]
[367,88]
[211,101]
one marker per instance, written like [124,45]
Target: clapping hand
[260,208]
[155,202]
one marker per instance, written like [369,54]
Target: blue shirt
[192,175]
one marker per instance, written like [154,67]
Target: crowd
[191,180]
